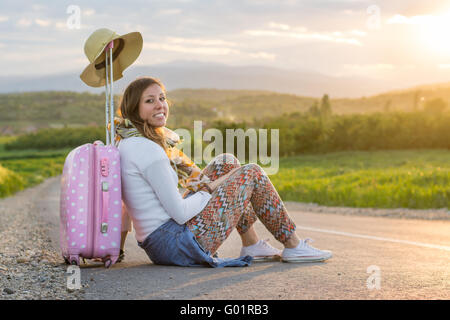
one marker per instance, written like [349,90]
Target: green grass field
[418,179]
[26,168]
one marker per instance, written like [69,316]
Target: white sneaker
[261,251]
[305,253]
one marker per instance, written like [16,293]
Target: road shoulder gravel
[31,267]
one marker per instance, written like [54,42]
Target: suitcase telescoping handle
[109,93]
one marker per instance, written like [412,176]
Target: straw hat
[126,50]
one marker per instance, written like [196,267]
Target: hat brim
[94,74]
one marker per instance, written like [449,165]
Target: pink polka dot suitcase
[91,195]
[91,204]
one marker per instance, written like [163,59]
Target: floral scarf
[189,175]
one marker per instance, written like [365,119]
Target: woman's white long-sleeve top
[150,188]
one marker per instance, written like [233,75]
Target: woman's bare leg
[292,241]
[122,239]
[250,237]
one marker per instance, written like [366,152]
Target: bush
[305,133]
[57,138]
[10,182]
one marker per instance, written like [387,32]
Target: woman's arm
[213,185]
[189,174]
[160,176]
[154,165]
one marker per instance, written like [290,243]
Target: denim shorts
[175,244]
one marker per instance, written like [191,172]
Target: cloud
[88,12]
[38,7]
[415,20]
[262,55]
[211,47]
[347,12]
[28,39]
[302,33]
[195,46]
[273,2]
[192,50]
[42,58]
[168,12]
[279,26]
[24,22]
[61,25]
[42,22]
[378,66]
[358,33]
[202,42]
[4,18]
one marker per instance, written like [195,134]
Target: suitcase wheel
[74,260]
[108,263]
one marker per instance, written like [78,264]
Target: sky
[397,39]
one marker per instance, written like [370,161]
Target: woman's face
[153,106]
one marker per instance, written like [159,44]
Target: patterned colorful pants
[243,198]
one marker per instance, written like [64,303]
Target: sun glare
[436,33]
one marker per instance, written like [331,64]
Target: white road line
[355,235]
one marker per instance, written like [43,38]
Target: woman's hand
[216,183]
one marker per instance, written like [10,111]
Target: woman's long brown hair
[129,108]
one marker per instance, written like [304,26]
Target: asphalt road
[373,258]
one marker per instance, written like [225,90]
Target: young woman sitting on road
[186,230]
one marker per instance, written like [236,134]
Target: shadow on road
[152,281]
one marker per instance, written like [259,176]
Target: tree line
[317,130]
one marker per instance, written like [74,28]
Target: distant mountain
[198,75]
[410,99]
